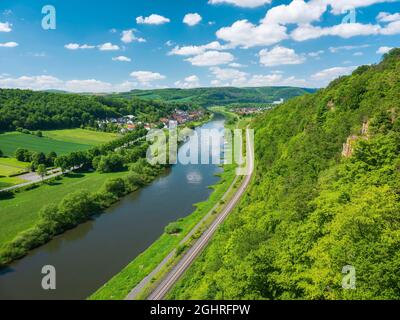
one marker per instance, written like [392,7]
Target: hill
[324,200]
[219,96]
[35,110]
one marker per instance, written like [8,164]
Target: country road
[173,276]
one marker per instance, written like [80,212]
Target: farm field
[10,142]
[81,136]
[21,212]
[11,166]
[9,182]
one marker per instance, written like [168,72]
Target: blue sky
[120,45]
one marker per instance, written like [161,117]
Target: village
[130,122]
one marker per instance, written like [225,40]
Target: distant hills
[219,96]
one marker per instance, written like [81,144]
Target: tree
[42,171]
[110,163]
[1,153]
[23,155]
[50,158]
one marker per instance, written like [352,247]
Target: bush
[111,163]
[173,228]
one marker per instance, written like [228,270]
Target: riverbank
[153,263]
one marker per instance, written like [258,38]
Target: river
[88,256]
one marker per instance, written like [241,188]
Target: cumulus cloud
[242,3]
[196,50]
[384,50]
[189,82]
[154,19]
[108,47]
[387,17]
[47,82]
[272,29]
[76,46]
[327,75]
[11,44]
[128,36]
[211,58]
[236,78]
[245,34]
[347,30]
[237,65]
[122,59]
[339,7]
[146,77]
[191,19]
[280,56]
[5,27]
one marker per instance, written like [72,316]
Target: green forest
[325,195]
[219,96]
[30,110]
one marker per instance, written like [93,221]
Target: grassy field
[81,136]
[21,212]
[11,166]
[9,182]
[9,142]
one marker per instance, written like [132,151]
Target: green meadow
[21,212]
[81,136]
[10,142]
[11,167]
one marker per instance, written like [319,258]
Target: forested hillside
[220,96]
[48,110]
[325,195]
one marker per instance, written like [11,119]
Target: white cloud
[384,50]
[296,12]
[316,54]
[387,17]
[76,46]
[46,82]
[236,78]
[122,59]
[280,56]
[211,58]
[155,19]
[273,28]
[128,36]
[346,30]
[348,48]
[327,75]
[5,27]
[146,77]
[340,6]
[237,65]
[11,44]
[189,82]
[196,50]
[242,3]
[191,19]
[108,47]
[245,34]
[391,29]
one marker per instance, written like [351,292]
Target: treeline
[109,157]
[207,97]
[312,214]
[27,110]
[77,208]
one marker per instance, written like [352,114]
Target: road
[173,276]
